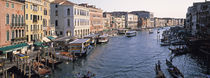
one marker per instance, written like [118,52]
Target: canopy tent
[45,39]
[50,37]
[13,47]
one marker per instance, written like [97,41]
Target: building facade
[81,21]
[12,24]
[197,18]
[96,18]
[131,21]
[34,20]
[48,29]
[62,17]
[108,22]
[144,16]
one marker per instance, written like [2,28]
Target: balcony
[17,24]
[18,40]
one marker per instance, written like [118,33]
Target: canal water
[133,57]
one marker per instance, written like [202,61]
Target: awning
[38,44]
[45,39]
[51,38]
[13,47]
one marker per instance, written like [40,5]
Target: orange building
[96,18]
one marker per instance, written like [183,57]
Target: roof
[105,35]
[50,37]
[63,2]
[79,41]
[64,38]
[92,35]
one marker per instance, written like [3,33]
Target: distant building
[96,18]
[131,21]
[108,20]
[144,16]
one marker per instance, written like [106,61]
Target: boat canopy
[104,36]
[91,35]
[79,41]
[131,32]
[64,38]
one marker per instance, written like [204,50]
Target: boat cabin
[103,38]
[92,37]
[80,47]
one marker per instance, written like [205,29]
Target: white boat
[103,38]
[130,33]
[150,31]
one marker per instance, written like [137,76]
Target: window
[56,22]
[26,6]
[40,8]
[7,35]
[26,16]
[68,11]
[56,13]
[31,27]
[13,33]
[7,19]
[31,16]
[56,6]
[68,22]
[61,33]
[12,5]
[31,7]
[45,11]
[7,5]
[22,19]
[22,7]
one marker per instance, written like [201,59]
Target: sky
[160,8]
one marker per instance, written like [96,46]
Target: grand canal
[134,57]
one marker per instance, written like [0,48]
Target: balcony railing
[17,24]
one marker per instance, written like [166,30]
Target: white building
[62,17]
[131,21]
[69,19]
[81,21]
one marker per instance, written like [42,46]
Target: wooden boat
[80,47]
[50,62]
[131,33]
[41,69]
[174,71]
[159,73]
[103,38]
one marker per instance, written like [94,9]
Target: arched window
[68,11]
[7,19]
[7,35]
[22,20]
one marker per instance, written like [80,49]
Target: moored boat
[174,71]
[80,47]
[131,33]
[103,38]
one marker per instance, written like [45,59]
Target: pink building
[11,23]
